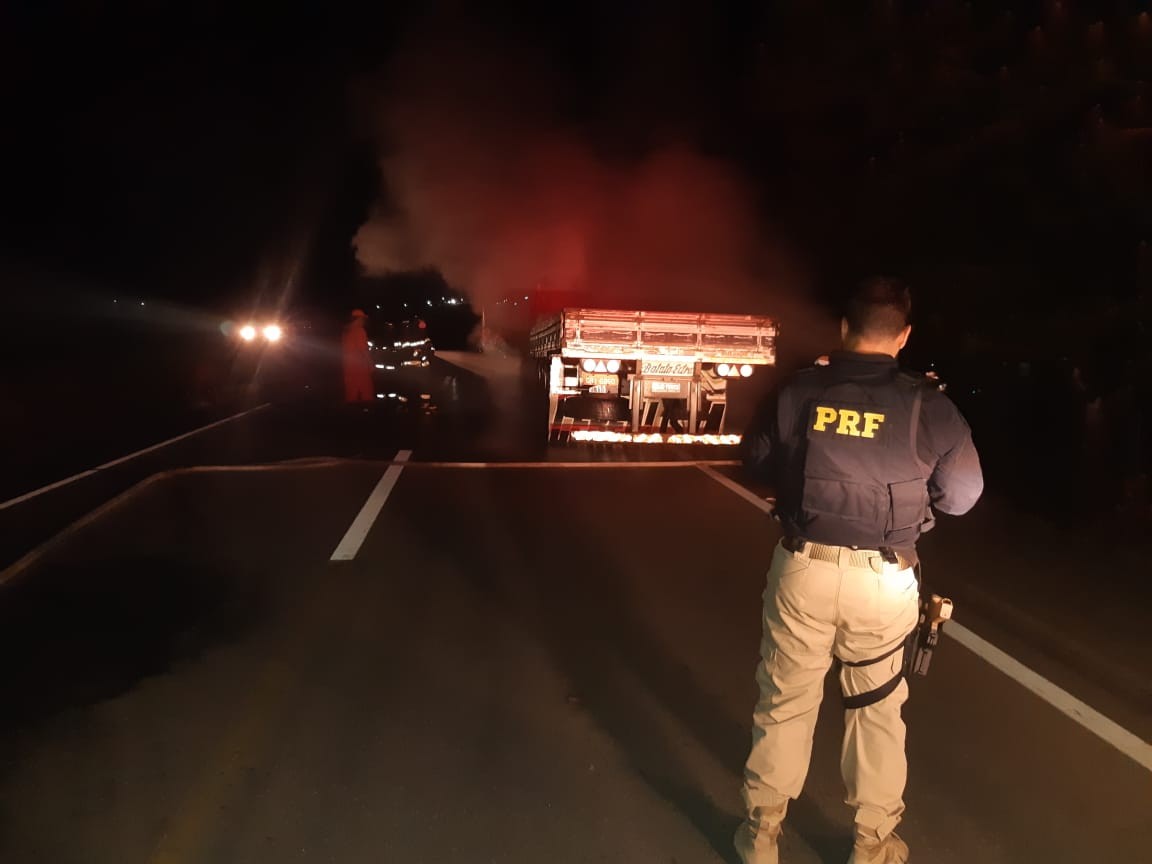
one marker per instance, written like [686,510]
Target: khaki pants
[858,608]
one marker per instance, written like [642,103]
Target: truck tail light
[605,436]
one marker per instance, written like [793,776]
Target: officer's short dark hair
[879,308]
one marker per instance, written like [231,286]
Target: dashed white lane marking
[362,524]
[1132,746]
[35,493]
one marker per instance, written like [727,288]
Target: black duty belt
[822,552]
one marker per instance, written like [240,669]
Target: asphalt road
[521,664]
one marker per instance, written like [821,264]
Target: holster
[917,646]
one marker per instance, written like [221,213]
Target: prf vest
[863,482]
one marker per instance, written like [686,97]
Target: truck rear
[642,377]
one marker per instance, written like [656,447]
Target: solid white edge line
[354,537]
[30,558]
[1132,746]
[1107,730]
[36,493]
[749,496]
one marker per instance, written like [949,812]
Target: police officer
[860,454]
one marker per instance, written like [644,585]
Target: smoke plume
[489,179]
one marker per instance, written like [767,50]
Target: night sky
[190,154]
[1000,160]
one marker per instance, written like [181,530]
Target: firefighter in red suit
[357,360]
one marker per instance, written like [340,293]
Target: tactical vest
[863,483]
